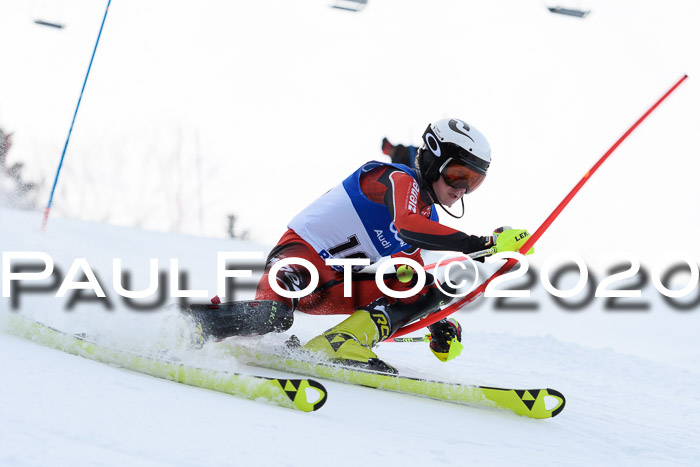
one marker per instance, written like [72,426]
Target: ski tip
[322,394]
[560,401]
[307,395]
[533,403]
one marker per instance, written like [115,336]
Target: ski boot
[218,320]
[350,342]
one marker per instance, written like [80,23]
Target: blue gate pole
[75,114]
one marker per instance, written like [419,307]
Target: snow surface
[623,408]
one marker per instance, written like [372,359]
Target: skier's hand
[489,241]
[446,339]
[507,239]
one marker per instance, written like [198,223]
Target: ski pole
[476,293]
[478,254]
[70,130]
[475,255]
[425,338]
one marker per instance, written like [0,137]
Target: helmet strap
[435,200]
[448,212]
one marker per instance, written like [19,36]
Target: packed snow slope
[623,407]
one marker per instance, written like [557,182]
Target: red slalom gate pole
[476,293]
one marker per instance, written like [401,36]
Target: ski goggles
[459,175]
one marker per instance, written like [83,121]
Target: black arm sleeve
[458,241]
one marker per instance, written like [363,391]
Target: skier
[382,209]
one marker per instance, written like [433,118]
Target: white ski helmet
[456,151]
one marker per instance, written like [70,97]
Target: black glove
[487,241]
[474,243]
